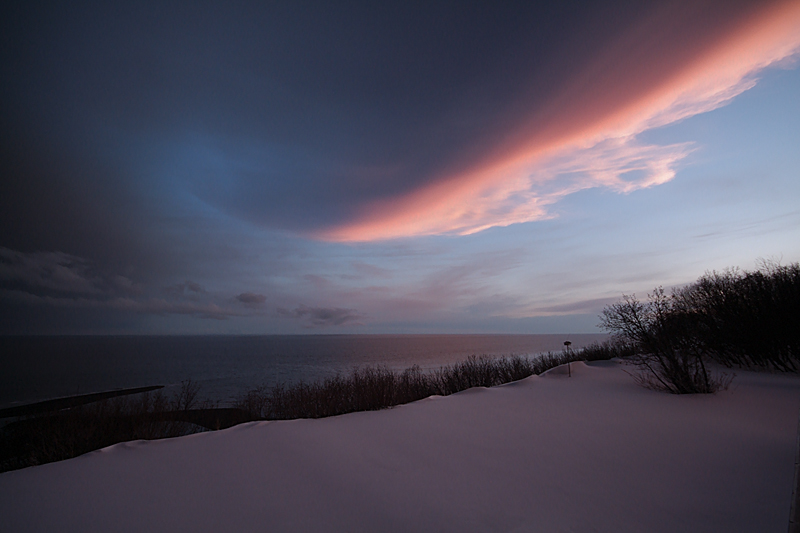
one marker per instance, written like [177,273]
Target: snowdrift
[578,449]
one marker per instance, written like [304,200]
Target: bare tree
[669,355]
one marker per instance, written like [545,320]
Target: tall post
[569,363]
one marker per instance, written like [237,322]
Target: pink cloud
[660,72]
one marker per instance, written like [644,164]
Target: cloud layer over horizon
[355,165]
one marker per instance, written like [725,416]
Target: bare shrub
[733,317]
[186,398]
[649,380]
[608,350]
[255,402]
[371,388]
[67,433]
[667,350]
[748,318]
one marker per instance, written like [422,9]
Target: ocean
[225,366]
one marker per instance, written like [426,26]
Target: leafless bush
[668,355]
[371,388]
[71,432]
[650,380]
[608,350]
[740,318]
[748,318]
[186,398]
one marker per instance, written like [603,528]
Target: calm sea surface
[40,368]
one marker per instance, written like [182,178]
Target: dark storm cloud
[323,316]
[293,115]
[288,114]
[300,115]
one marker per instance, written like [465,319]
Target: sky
[377,167]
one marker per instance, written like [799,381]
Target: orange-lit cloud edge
[604,152]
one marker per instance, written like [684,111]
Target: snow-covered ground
[591,452]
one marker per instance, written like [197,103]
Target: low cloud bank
[60,280]
[323,316]
[251,298]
